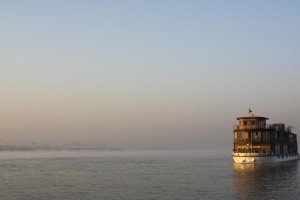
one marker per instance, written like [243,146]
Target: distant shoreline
[46,148]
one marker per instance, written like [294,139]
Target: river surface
[156,174]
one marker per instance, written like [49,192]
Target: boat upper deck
[253,126]
[252,122]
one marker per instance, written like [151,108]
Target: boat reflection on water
[267,181]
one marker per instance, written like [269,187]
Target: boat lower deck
[262,158]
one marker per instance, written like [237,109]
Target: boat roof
[252,117]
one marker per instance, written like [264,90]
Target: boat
[255,141]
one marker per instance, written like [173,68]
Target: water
[183,174]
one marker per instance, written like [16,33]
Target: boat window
[256,136]
[266,137]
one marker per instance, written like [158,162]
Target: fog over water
[138,74]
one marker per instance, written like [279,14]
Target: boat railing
[248,140]
[253,126]
[244,140]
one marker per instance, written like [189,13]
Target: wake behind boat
[256,141]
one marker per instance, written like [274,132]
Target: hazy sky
[145,73]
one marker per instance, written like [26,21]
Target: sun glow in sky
[145,73]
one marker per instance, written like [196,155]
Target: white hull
[262,158]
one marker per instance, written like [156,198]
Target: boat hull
[262,158]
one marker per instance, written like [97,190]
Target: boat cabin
[254,135]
